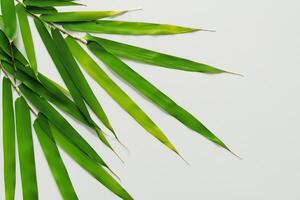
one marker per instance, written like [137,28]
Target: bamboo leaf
[54,159]
[59,62]
[9,154]
[61,69]
[79,79]
[26,151]
[154,58]
[50,92]
[59,121]
[152,93]
[26,36]
[117,93]
[5,47]
[79,16]
[43,10]
[9,18]
[85,162]
[49,3]
[127,28]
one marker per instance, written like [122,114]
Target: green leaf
[48,41]
[152,93]
[79,79]
[85,162]
[127,28]
[117,93]
[9,18]
[49,3]
[26,36]
[54,159]
[59,62]
[154,58]
[5,47]
[43,10]
[26,151]
[61,123]
[9,154]
[79,16]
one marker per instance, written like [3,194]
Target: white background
[256,115]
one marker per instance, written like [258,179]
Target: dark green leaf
[151,57]
[9,154]
[127,28]
[79,16]
[53,157]
[79,79]
[26,151]
[26,36]
[38,10]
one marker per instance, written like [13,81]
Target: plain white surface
[257,116]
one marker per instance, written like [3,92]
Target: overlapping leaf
[60,65]
[61,123]
[79,79]
[152,93]
[85,162]
[53,157]
[117,93]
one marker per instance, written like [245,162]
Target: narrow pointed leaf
[54,159]
[79,16]
[152,93]
[85,162]
[26,151]
[79,79]
[61,69]
[39,10]
[127,28]
[5,47]
[117,93]
[61,123]
[9,18]
[154,58]
[9,142]
[26,36]
[49,3]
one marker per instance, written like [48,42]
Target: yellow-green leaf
[127,28]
